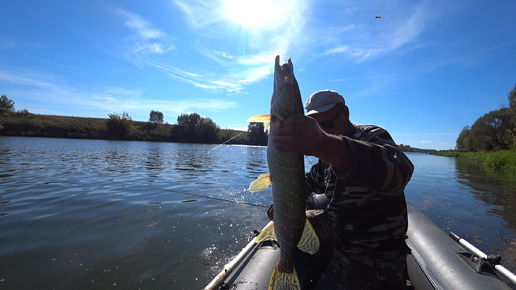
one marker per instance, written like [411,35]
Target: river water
[82,214]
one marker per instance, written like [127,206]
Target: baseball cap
[322,101]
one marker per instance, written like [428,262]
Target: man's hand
[299,134]
[302,134]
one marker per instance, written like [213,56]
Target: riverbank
[35,125]
[503,159]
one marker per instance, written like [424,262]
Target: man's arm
[303,135]
[379,164]
[375,162]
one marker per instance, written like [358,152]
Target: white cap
[322,101]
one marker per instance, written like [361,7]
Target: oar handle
[477,252]
[501,269]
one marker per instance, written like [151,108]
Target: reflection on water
[155,159]
[90,213]
[473,201]
[256,160]
[492,187]
[106,214]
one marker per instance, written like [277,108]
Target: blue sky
[423,71]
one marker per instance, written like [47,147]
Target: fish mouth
[286,68]
[285,84]
[283,74]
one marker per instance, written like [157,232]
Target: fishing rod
[494,261]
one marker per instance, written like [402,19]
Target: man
[359,181]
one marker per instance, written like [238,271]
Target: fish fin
[262,182]
[266,127]
[267,234]
[309,242]
[260,119]
[280,280]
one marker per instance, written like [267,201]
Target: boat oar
[230,267]
[498,267]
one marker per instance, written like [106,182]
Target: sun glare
[253,13]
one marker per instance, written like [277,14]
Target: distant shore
[35,125]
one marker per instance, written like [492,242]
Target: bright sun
[253,13]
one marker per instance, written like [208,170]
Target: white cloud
[46,94]
[236,69]
[249,57]
[146,38]
[370,40]
[143,28]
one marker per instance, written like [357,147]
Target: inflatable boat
[436,261]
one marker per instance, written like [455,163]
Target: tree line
[190,128]
[493,131]
[496,130]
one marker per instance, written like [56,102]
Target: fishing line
[219,198]
[227,141]
[224,199]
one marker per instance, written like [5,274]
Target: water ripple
[100,214]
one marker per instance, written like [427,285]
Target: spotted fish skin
[287,169]
[286,173]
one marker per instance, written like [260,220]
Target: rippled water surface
[107,214]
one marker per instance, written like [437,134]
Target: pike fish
[291,228]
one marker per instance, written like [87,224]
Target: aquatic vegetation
[503,159]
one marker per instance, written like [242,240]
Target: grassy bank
[503,159]
[34,125]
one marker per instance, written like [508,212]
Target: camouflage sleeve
[314,179]
[377,162]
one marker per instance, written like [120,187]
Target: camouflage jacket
[367,204]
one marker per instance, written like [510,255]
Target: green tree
[6,105]
[189,121]
[465,140]
[512,99]
[257,135]
[156,117]
[119,125]
[495,125]
[495,130]
[23,112]
[208,131]
[512,108]
[194,128]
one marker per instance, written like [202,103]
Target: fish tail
[267,234]
[309,242]
[284,281]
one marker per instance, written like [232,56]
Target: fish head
[286,97]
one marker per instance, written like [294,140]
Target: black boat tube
[437,262]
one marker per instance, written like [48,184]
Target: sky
[424,70]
